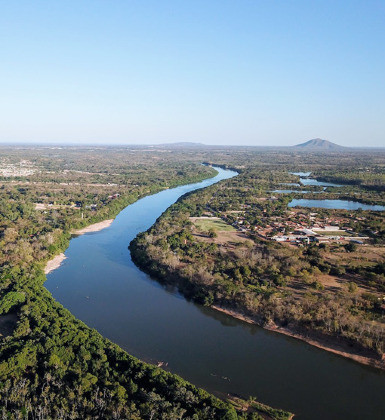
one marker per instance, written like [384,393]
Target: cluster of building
[299,227]
[23,168]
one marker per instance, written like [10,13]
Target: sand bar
[93,228]
[54,263]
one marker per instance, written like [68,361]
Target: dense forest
[52,366]
[329,291]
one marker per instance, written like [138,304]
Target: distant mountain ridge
[319,144]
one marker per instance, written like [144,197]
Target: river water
[335,204]
[100,285]
[314,182]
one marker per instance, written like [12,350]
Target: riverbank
[54,263]
[96,227]
[325,343]
[57,260]
[336,345]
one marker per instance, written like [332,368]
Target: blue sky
[218,72]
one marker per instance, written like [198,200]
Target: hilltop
[319,144]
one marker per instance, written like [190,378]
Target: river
[100,285]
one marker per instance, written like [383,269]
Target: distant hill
[319,144]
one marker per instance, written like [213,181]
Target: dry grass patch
[228,239]
[366,255]
[226,235]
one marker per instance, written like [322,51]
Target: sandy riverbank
[93,228]
[54,263]
[342,349]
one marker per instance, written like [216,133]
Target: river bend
[99,284]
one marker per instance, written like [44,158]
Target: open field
[206,223]
[333,233]
[368,255]
[228,239]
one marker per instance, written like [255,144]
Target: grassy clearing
[205,224]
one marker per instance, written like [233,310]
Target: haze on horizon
[219,72]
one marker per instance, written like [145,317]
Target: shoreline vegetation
[327,343]
[58,259]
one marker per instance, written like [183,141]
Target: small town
[299,228]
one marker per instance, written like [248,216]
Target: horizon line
[171,143]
